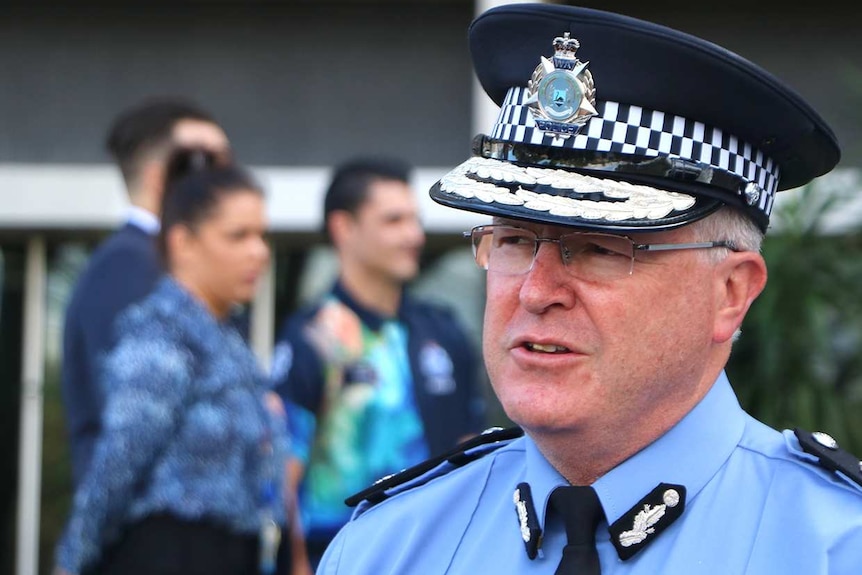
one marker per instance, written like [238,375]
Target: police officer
[630,176]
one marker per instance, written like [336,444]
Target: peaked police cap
[616,124]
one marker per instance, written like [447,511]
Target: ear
[340,224]
[151,181]
[179,241]
[739,280]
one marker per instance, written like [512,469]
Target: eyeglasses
[512,250]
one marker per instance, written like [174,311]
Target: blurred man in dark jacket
[125,267]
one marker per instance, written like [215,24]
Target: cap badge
[561,94]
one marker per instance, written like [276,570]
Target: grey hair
[728,224]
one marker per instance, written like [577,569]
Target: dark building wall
[310,82]
[294,84]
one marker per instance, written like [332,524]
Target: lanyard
[270,532]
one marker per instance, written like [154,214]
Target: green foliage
[798,363]
[56,470]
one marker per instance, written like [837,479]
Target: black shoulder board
[457,457]
[829,455]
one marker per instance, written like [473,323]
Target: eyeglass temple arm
[685,246]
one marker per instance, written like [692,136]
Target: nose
[410,235]
[547,283]
[260,249]
[560,247]
[417,232]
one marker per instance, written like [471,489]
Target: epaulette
[830,455]
[465,452]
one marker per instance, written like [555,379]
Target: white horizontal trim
[57,196]
[60,196]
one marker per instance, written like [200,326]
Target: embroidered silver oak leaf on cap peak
[640,202]
[500,171]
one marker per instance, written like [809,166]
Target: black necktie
[581,512]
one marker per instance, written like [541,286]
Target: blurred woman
[187,476]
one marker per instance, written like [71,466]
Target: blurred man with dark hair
[373,379]
[125,267]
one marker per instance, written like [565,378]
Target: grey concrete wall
[294,83]
[310,82]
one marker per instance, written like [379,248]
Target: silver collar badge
[561,93]
[528,521]
[646,519]
[649,517]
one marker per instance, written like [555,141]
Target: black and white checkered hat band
[627,129]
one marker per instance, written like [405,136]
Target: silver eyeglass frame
[636,247]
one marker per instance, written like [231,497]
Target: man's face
[200,134]
[385,236]
[567,355]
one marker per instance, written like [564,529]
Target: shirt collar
[192,307]
[143,219]
[372,319]
[541,476]
[689,454]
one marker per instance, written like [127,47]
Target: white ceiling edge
[40,196]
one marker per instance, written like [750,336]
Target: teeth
[546,348]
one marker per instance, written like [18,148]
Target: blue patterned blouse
[186,430]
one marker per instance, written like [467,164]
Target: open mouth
[545,348]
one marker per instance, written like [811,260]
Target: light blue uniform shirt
[754,504]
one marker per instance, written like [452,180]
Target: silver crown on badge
[561,93]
